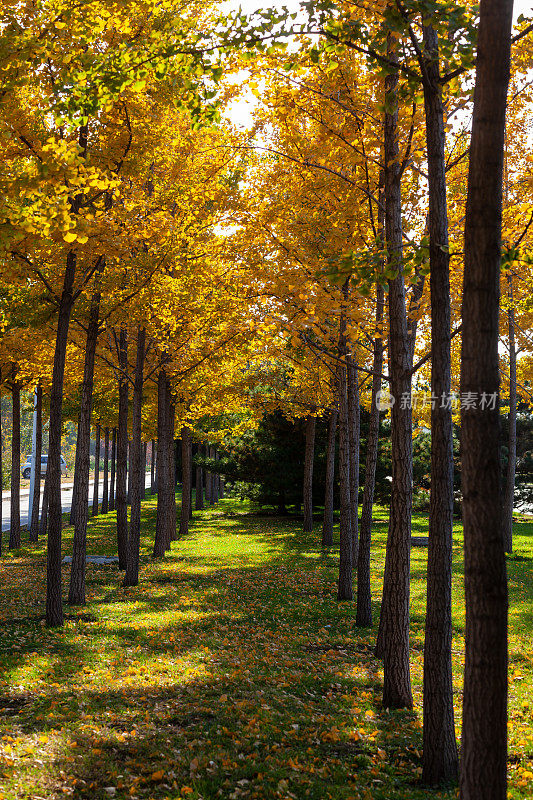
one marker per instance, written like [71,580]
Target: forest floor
[230,672]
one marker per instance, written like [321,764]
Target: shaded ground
[231,672]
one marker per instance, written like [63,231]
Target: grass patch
[231,671]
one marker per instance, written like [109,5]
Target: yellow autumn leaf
[70,237]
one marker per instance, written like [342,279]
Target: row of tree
[157,261]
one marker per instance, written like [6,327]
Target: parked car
[26,469]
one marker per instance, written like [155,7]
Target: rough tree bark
[113,469]
[508,499]
[327,526]
[364,598]
[484,735]
[96,486]
[54,602]
[394,623]
[186,481]
[14,531]
[309,458]
[76,595]
[121,501]
[34,522]
[440,758]
[105,490]
[131,577]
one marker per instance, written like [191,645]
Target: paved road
[66,501]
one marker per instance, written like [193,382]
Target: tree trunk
[484,735]
[1,466]
[440,758]
[172,470]
[162,471]
[354,429]
[345,589]
[215,477]
[166,495]
[186,481]
[199,498]
[364,598]
[76,595]
[143,470]
[105,492]
[508,501]
[54,603]
[327,526]
[113,468]
[394,622]
[34,522]
[131,577]
[75,502]
[43,524]
[208,480]
[14,531]
[128,479]
[310,427]
[152,468]
[122,452]
[96,487]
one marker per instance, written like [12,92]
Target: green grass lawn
[230,672]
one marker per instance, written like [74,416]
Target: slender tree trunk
[394,622]
[208,480]
[440,758]
[166,493]
[186,467]
[172,467]
[113,468]
[105,492]
[508,501]
[143,471]
[128,481]
[34,522]
[199,499]
[152,468]
[14,531]
[96,487]
[131,577]
[76,595]
[354,428]
[327,526]
[215,476]
[310,427]
[54,603]
[345,589]
[1,466]
[364,597]
[75,502]
[162,471]
[122,452]
[43,524]
[484,734]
